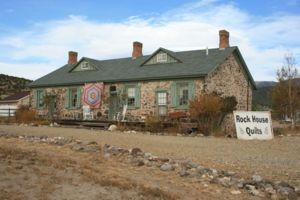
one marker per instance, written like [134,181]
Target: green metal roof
[192,64]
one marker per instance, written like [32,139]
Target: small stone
[189,164]
[257,178]
[147,155]
[166,167]
[235,192]
[250,187]
[112,128]
[255,192]
[136,151]
[183,173]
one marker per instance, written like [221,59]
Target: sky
[36,35]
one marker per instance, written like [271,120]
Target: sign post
[253,125]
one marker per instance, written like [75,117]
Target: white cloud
[262,41]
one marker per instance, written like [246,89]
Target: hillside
[262,97]
[10,85]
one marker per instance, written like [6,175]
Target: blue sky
[35,36]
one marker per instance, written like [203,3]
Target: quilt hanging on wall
[92,93]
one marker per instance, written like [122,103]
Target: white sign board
[253,125]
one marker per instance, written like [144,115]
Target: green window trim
[39,94]
[137,96]
[68,98]
[175,95]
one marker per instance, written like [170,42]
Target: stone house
[156,84]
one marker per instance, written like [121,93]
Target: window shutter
[42,98]
[173,95]
[138,96]
[78,101]
[35,97]
[191,90]
[67,100]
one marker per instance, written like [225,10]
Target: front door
[113,106]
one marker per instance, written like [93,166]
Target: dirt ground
[40,171]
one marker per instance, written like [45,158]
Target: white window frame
[85,66]
[162,57]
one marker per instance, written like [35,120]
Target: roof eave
[122,80]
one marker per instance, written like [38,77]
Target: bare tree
[285,95]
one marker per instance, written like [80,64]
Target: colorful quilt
[92,93]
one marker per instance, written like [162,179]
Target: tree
[286,94]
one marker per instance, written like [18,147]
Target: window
[73,97]
[183,93]
[131,96]
[161,57]
[85,66]
[162,103]
[39,98]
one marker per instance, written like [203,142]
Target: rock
[166,167]
[235,192]
[89,142]
[153,158]
[225,181]
[147,155]
[188,164]
[183,172]
[136,151]
[269,189]
[250,187]
[286,191]
[84,148]
[138,161]
[254,192]
[112,128]
[257,178]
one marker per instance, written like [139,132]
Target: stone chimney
[72,57]
[137,50]
[224,39]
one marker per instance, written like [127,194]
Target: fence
[7,111]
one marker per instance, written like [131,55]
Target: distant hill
[10,85]
[262,97]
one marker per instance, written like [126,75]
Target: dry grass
[90,167]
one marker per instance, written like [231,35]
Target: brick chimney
[137,50]
[224,39]
[72,57]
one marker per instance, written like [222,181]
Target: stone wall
[229,79]
[147,105]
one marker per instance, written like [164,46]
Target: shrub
[153,124]
[206,109]
[24,115]
[209,110]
